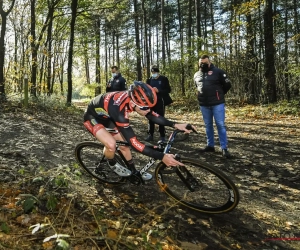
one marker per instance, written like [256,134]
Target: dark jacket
[164,88]
[117,83]
[212,86]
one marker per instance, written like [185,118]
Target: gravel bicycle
[197,185]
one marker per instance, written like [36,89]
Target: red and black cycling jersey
[115,107]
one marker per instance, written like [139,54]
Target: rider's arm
[130,137]
[160,120]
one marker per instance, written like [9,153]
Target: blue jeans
[218,113]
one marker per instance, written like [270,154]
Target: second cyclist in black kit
[111,110]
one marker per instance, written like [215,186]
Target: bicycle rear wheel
[198,186]
[91,158]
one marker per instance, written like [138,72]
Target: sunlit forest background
[66,47]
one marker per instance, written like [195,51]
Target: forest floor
[46,201]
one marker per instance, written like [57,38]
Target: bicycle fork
[190,181]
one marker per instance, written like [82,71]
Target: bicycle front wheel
[198,186]
[91,158]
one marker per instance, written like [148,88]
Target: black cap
[154,69]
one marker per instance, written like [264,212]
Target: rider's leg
[128,156]
[109,142]
[126,152]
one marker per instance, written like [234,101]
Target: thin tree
[270,70]
[98,38]
[182,70]
[4,15]
[163,28]
[137,41]
[74,5]
[146,47]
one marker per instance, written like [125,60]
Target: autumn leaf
[112,234]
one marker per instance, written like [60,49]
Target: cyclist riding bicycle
[111,110]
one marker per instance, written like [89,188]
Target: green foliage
[21,171]
[60,181]
[286,108]
[88,90]
[4,228]
[28,202]
[51,202]
[268,110]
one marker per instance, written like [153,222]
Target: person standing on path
[162,88]
[117,82]
[212,84]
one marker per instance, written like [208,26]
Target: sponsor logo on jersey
[126,113]
[94,122]
[108,96]
[101,111]
[119,98]
[136,144]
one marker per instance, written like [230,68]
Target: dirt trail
[265,168]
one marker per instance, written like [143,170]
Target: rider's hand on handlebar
[182,126]
[170,161]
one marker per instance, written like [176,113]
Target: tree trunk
[163,28]
[33,48]
[205,26]
[35,44]
[137,41]
[42,73]
[87,68]
[117,49]
[106,54]
[214,46]
[4,15]
[53,74]
[113,48]
[71,45]
[269,52]
[297,31]
[98,38]
[49,52]
[146,47]
[189,41]
[182,71]
[286,55]
[251,61]
[198,26]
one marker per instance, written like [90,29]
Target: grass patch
[266,110]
